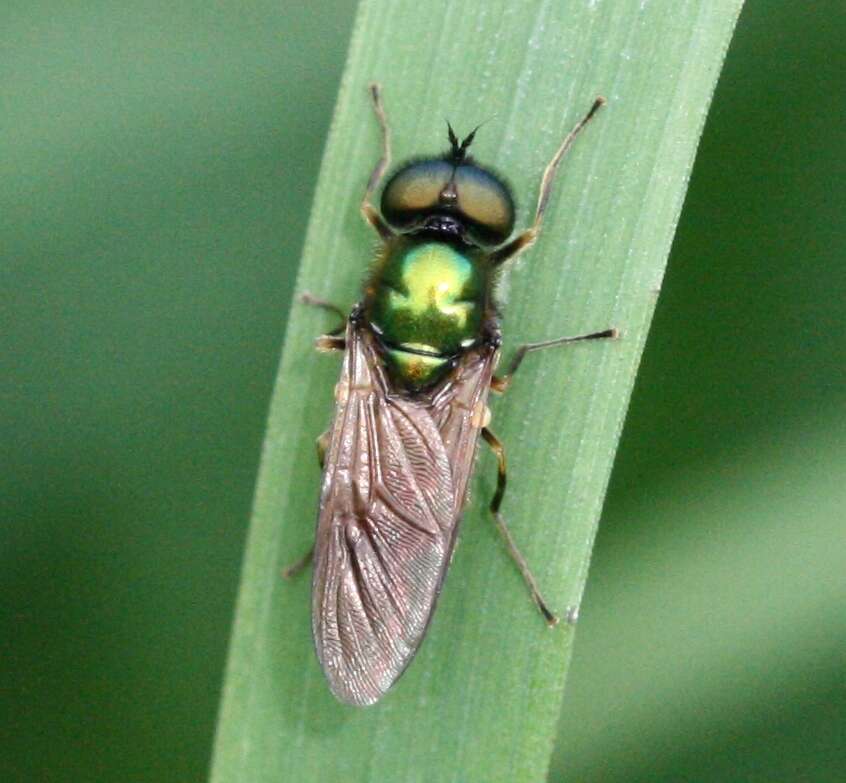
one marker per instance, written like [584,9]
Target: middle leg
[500,383]
[332,340]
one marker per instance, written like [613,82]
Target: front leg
[368,211]
[528,237]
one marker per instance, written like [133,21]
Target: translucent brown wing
[393,487]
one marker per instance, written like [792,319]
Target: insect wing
[459,407]
[384,531]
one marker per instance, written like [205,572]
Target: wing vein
[388,516]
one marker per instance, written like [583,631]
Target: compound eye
[413,191]
[486,203]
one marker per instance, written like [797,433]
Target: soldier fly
[420,350]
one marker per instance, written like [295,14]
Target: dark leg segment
[306,297]
[329,341]
[527,238]
[371,215]
[516,555]
[501,383]
[298,566]
[289,572]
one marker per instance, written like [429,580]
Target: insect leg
[371,215]
[306,297]
[501,382]
[517,556]
[329,341]
[322,444]
[527,238]
[289,572]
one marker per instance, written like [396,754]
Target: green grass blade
[480,702]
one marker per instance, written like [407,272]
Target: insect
[420,350]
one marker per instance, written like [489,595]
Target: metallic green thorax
[427,299]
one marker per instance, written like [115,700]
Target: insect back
[426,300]
[430,289]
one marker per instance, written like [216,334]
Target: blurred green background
[157,163]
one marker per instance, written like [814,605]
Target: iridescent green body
[420,353]
[427,299]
